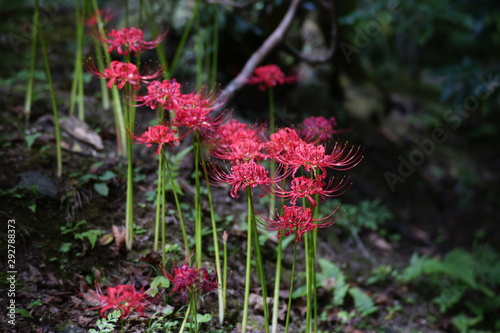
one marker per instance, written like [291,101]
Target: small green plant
[107,325]
[368,214]
[331,277]
[381,273]
[99,181]
[467,282]
[89,235]
[162,323]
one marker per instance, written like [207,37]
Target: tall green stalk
[272,203]
[287,321]
[248,265]
[29,88]
[220,292]
[258,261]
[76,97]
[224,275]
[160,199]
[117,107]
[277,276]
[160,51]
[309,282]
[52,98]
[277,282]
[197,199]
[129,212]
[199,48]
[179,210]
[182,42]
[215,47]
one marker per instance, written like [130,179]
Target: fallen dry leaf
[119,235]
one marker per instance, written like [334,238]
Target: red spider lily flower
[105,15]
[232,132]
[194,111]
[160,135]
[167,94]
[245,150]
[318,129]
[314,158]
[243,175]
[269,76]
[191,280]
[122,297]
[297,220]
[303,187]
[120,73]
[129,40]
[283,141]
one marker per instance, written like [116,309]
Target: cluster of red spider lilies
[291,164]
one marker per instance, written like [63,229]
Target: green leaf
[462,322]
[32,207]
[102,189]
[107,175]
[158,281]
[363,303]
[91,235]
[449,296]
[65,247]
[331,270]
[203,318]
[30,138]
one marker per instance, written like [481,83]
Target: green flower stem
[271,110]
[160,196]
[220,292]
[179,210]
[272,203]
[309,283]
[160,51]
[313,255]
[287,321]
[194,317]
[197,201]
[215,46]
[52,98]
[198,47]
[188,311]
[224,276]
[277,276]
[117,108]
[277,281]
[248,265]
[29,88]
[100,66]
[77,83]
[258,257]
[129,215]
[182,42]
[126,14]
[119,122]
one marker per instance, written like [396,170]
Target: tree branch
[270,43]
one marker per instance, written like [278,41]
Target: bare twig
[270,43]
[329,6]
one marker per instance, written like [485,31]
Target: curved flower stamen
[297,220]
